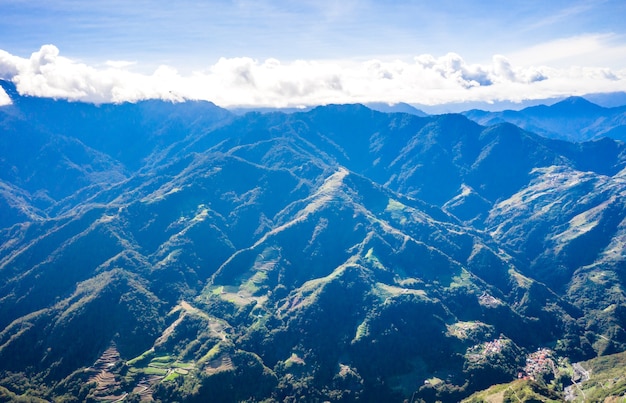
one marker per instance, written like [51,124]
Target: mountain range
[572,119]
[181,252]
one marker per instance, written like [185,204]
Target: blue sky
[194,36]
[196,33]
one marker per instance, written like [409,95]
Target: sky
[298,53]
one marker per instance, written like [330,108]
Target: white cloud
[9,65]
[119,64]
[248,82]
[4,98]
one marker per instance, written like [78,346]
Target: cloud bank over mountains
[244,81]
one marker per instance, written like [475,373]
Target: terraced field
[106,378]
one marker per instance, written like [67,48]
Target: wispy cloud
[245,81]
[565,14]
[595,49]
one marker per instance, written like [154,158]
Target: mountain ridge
[335,254]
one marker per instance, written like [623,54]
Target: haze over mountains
[178,251]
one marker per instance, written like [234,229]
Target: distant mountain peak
[576,104]
[400,107]
[574,119]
